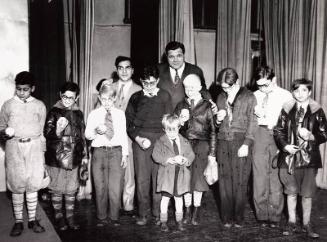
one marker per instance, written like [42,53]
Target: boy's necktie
[177,78]
[175,147]
[110,128]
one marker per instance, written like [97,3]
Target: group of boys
[252,129]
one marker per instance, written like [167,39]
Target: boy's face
[192,90]
[265,85]
[172,132]
[175,58]
[302,94]
[107,101]
[24,91]
[68,98]
[125,70]
[150,84]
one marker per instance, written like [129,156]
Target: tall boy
[301,128]
[144,113]
[21,120]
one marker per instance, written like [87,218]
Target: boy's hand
[214,107]
[62,122]
[292,149]
[144,143]
[180,160]
[101,129]
[221,114]
[10,132]
[171,160]
[184,115]
[305,134]
[124,161]
[259,111]
[243,151]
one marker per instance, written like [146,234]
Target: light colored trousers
[267,188]
[129,181]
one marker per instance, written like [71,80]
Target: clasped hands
[177,160]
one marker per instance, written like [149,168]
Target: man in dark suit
[172,74]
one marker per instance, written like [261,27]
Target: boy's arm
[50,126]
[321,136]
[281,130]
[3,122]
[159,153]
[253,123]
[130,116]
[90,130]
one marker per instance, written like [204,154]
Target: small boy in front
[301,128]
[174,154]
[21,121]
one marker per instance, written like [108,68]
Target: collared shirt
[179,71]
[152,94]
[276,99]
[96,118]
[196,99]
[127,86]
[29,99]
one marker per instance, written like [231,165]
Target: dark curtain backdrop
[144,33]
[47,48]
[233,37]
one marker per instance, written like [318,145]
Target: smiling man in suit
[125,88]
[172,74]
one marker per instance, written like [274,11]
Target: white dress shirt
[179,71]
[96,118]
[276,99]
[127,86]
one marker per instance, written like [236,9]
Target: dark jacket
[71,139]
[201,124]
[314,120]
[244,120]
[176,91]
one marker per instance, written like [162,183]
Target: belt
[24,140]
[109,147]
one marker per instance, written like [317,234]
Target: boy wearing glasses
[106,127]
[267,189]
[21,125]
[144,113]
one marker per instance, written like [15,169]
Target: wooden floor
[210,228]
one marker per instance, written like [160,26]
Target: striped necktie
[177,78]
[109,124]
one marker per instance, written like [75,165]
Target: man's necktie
[175,146]
[177,78]
[120,96]
[109,124]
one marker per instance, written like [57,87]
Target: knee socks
[69,205]
[31,200]
[57,205]
[18,204]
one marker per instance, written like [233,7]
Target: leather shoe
[35,226]
[164,227]
[17,229]
[115,223]
[61,223]
[141,221]
[72,224]
[180,226]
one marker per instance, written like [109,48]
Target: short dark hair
[122,58]
[70,86]
[98,86]
[25,78]
[149,71]
[264,72]
[174,45]
[302,81]
[227,75]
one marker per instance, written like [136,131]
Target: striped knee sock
[70,204]
[31,199]
[18,204]
[57,204]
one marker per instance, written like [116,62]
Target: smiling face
[172,131]
[176,58]
[149,85]
[192,85]
[24,91]
[125,70]
[68,98]
[302,94]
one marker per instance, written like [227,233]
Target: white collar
[179,71]
[29,99]
[152,94]
[126,84]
